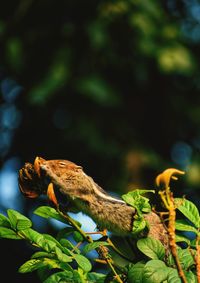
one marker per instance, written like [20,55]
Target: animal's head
[35,178]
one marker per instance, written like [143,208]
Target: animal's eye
[62,164]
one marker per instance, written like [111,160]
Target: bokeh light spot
[181,154]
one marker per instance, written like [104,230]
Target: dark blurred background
[111,85]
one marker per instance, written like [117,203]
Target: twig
[101,250]
[168,200]
[197,258]
[75,225]
[109,241]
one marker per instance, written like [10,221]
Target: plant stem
[197,258]
[89,239]
[76,226]
[168,200]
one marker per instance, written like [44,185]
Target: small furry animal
[65,182]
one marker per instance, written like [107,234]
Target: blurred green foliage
[112,85]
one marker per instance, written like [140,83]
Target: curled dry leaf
[163,179]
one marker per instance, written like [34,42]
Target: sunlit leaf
[8,234]
[57,277]
[34,264]
[4,221]
[151,248]
[155,271]
[52,239]
[180,238]
[61,256]
[40,240]
[50,212]
[185,257]
[139,224]
[42,255]
[173,276]
[32,235]
[135,273]
[31,265]
[188,209]
[83,262]
[139,202]
[18,221]
[182,225]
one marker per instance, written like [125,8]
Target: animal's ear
[37,162]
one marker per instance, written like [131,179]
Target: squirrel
[65,182]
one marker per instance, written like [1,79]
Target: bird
[66,183]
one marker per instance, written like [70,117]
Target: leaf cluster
[66,258]
[56,258]
[141,204]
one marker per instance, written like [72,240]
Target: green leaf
[182,225]
[180,238]
[57,243]
[78,277]
[193,243]
[61,256]
[66,243]
[135,199]
[34,264]
[139,224]
[31,265]
[32,235]
[185,258]
[173,276]
[52,239]
[135,273]
[42,255]
[191,277]
[94,277]
[155,271]
[65,266]
[67,246]
[41,240]
[57,277]
[18,221]
[47,245]
[151,248]
[189,210]
[8,234]
[50,212]
[92,246]
[78,237]
[4,221]
[83,262]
